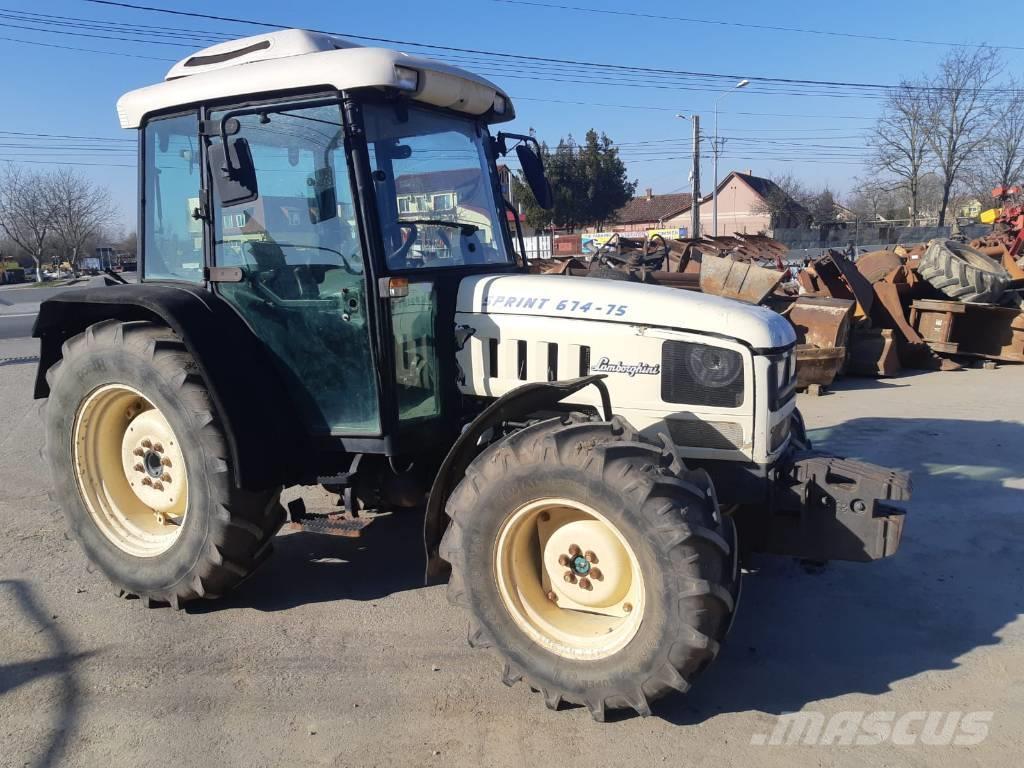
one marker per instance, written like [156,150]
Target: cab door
[301,277]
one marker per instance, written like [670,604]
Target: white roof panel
[296,59]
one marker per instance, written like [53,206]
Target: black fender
[520,402]
[265,434]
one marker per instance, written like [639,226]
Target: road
[333,654]
[19,304]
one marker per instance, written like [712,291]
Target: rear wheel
[141,468]
[592,562]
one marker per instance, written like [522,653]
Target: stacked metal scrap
[925,306]
[931,306]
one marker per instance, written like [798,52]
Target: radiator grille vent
[692,433]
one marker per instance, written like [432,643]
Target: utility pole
[695,173]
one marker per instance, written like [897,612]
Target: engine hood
[585,298]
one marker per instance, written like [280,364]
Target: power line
[747,25]
[520,57]
[60,136]
[82,50]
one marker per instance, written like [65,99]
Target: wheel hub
[153,462]
[581,565]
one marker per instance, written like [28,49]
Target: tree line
[59,213]
[588,181]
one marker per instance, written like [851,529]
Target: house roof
[653,208]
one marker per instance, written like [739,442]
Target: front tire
[141,469]
[670,581]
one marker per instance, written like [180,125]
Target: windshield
[434,190]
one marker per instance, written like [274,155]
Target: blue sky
[49,90]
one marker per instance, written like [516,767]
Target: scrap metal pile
[934,306]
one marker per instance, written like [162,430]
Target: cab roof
[296,59]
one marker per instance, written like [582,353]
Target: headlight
[701,374]
[713,366]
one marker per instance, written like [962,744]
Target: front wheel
[141,469]
[599,571]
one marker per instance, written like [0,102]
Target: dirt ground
[333,654]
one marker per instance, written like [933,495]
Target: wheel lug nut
[563,560]
[552,597]
[627,607]
[585,583]
[158,447]
[158,486]
[139,468]
[595,573]
[147,481]
[138,452]
[574,550]
[570,577]
[591,557]
[165,461]
[165,477]
[147,443]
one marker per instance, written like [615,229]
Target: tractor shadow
[61,664]
[858,628]
[314,568]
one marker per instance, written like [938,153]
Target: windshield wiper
[467,229]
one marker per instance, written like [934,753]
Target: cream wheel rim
[130,470]
[569,579]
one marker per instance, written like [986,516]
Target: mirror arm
[519,231]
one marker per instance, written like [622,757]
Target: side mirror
[233,171]
[533,172]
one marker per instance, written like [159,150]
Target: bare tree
[872,200]
[82,210]
[27,211]
[785,202]
[961,112]
[1000,160]
[899,143]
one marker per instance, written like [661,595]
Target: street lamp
[714,191]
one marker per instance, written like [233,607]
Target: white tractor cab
[331,295]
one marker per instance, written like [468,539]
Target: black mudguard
[266,436]
[514,405]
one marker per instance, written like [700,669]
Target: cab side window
[173,247]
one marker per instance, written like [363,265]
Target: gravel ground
[333,654]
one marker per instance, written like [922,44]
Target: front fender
[250,399]
[520,402]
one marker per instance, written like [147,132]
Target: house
[750,205]
[651,211]
[747,204]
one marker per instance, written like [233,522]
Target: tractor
[332,293]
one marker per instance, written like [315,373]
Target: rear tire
[962,272]
[666,519]
[224,532]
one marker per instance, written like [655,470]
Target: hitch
[830,508]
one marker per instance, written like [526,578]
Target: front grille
[693,433]
[698,374]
